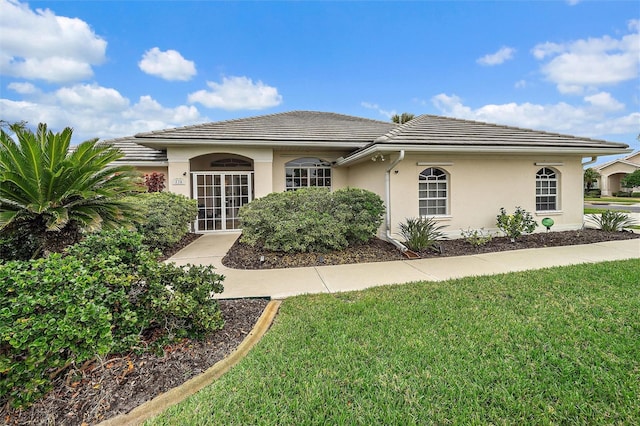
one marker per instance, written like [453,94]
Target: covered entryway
[220,196]
[222,183]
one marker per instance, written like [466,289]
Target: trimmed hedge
[167,217]
[101,297]
[311,219]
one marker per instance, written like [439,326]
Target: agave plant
[49,192]
[612,221]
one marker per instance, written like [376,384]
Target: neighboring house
[611,173]
[457,171]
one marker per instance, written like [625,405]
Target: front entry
[220,196]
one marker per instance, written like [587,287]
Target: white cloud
[40,45]
[591,63]
[169,65]
[501,56]
[95,111]
[593,119]
[236,93]
[23,88]
[604,101]
[376,107]
[520,84]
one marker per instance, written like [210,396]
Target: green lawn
[618,200]
[559,346]
[589,210]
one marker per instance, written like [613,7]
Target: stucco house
[457,171]
[611,173]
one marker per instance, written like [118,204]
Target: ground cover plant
[557,346]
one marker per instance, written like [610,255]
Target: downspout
[387,188]
[593,160]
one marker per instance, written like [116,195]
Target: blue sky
[115,68]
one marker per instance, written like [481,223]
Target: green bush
[311,219]
[167,217]
[422,233]
[363,211]
[103,296]
[594,193]
[611,221]
[50,317]
[516,224]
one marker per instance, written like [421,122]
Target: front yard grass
[589,210]
[557,346]
[617,200]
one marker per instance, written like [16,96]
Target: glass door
[220,196]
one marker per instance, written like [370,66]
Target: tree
[50,194]
[590,178]
[403,118]
[631,180]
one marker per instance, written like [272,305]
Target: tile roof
[435,130]
[134,153]
[291,126]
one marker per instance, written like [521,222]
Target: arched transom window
[433,192]
[305,172]
[546,189]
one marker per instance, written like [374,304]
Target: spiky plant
[50,193]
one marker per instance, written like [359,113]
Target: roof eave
[475,149]
[173,143]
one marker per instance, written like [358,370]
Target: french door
[220,196]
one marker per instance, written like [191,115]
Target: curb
[176,395]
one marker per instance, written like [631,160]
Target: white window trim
[556,179]
[308,177]
[446,198]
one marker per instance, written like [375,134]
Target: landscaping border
[176,395]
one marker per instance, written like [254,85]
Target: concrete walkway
[281,283]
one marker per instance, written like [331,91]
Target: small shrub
[476,237]
[594,193]
[516,224]
[154,182]
[622,194]
[167,217]
[635,194]
[612,221]
[422,233]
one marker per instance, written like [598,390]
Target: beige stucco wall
[281,157]
[478,186]
[158,169]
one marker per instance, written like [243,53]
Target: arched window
[305,172]
[546,189]
[433,192]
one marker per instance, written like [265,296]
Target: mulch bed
[243,256]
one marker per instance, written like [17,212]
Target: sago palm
[50,192]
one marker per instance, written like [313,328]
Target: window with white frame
[433,192]
[306,172]
[546,189]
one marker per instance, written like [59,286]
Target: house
[611,173]
[457,171]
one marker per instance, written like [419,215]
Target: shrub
[594,193]
[311,219]
[622,194]
[103,296]
[167,217]
[476,237]
[421,234]
[364,213]
[516,224]
[612,221]
[49,318]
[154,182]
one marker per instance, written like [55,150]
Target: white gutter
[593,160]
[387,181]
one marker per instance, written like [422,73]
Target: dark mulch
[185,241]
[243,256]
[119,383]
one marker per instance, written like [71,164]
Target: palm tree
[590,178]
[403,118]
[50,194]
